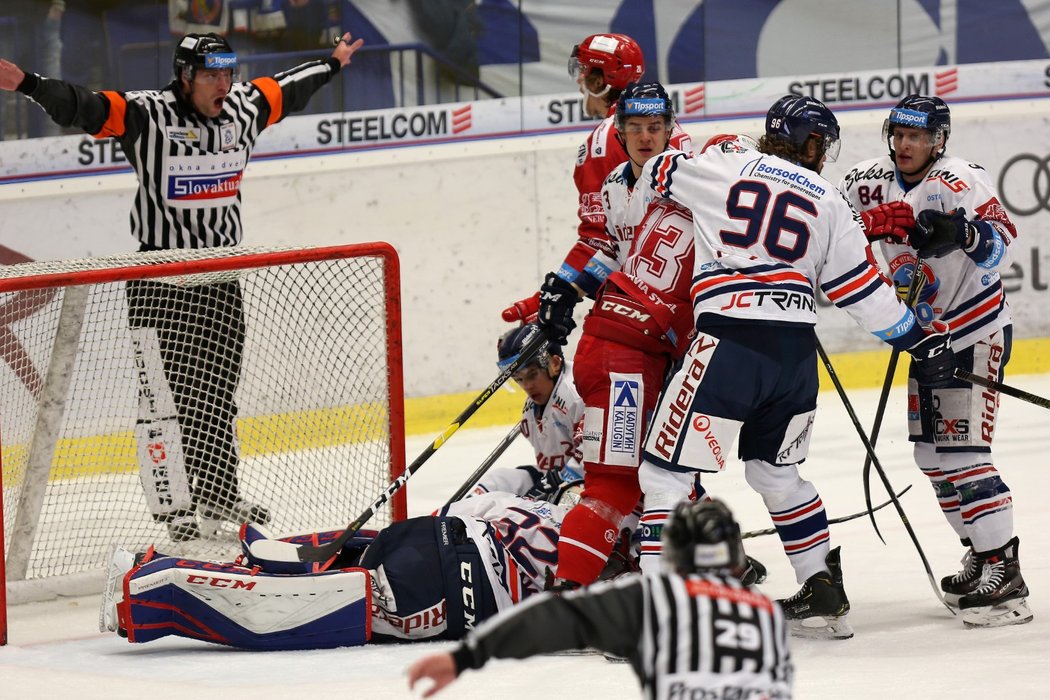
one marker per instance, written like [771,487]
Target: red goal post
[318,400]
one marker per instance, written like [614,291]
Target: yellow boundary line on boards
[856,370]
[115,453]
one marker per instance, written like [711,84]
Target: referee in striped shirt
[697,632]
[188,143]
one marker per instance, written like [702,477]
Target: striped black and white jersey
[189,166]
[685,637]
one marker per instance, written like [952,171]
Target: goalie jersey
[965,293]
[427,578]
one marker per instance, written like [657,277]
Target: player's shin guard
[947,497]
[590,529]
[246,608]
[797,512]
[159,440]
[664,489]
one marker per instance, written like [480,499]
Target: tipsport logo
[908,117]
[185,188]
[220,60]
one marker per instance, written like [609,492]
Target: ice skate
[1001,597]
[183,528]
[964,582]
[819,610]
[754,574]
[121,561]
[237,512]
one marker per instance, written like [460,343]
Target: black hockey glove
[934,360]
[545,486]
[936,233]
[558,298]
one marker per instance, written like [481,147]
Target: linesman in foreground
[188,143]
[696,630]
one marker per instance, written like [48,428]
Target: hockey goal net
[159,398]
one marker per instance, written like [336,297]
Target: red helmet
[617,55]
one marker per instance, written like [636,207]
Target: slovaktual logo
[182,188]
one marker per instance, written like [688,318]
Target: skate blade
[1012,612]
[614,658]
[952,600]
[821,628]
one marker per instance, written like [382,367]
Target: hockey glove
[937,233]
[558,298]
[523,311]
[934,360]
[892,221]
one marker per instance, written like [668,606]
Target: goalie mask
[795,118]
[196,51]
[512,342]
[702,536]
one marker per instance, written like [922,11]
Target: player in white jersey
[551,419]
[768,231]
[696,632]
[963,242]
[426,578]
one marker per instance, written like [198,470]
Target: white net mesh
[161,411]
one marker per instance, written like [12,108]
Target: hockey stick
[484,467]
[324,554]
[832,521]
[918,279]
[882,474]
[1002,388]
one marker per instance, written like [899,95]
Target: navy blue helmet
[512,342]
[644,100]
[921,112]
[796,117]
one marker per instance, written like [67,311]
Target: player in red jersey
[602,65]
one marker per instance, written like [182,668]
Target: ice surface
[906,644]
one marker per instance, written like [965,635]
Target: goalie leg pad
[245,608]
[162,465]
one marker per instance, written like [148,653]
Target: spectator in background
[35,40]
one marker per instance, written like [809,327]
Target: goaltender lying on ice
[426,578]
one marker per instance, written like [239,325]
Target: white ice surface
[906,644]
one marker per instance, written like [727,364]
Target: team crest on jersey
[902,269]
[624,413]
[228,137]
